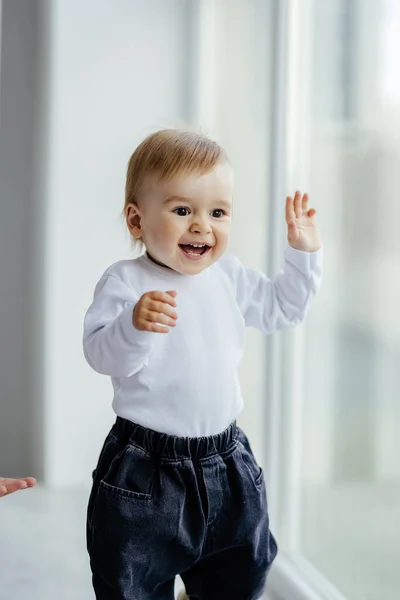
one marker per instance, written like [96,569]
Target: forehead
[216,183]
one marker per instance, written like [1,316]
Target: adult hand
[8,486]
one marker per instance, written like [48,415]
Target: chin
[195,267]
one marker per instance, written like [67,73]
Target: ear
[133,218]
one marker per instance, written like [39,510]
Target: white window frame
[292,576]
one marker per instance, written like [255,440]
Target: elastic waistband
[173,447]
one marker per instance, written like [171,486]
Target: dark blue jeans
[163,506]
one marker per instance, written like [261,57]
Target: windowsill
[294,578]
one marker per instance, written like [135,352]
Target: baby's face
[185,222]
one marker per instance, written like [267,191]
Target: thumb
[293,232]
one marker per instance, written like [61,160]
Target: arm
[283,302]
[111,344]
[273,304]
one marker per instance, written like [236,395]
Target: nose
[201,226]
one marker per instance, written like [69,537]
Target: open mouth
[194,251]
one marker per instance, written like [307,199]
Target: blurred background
[303,94]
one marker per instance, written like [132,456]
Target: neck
[156,262]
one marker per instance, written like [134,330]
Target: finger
[14,485]
[154,327]
[7,481]
[162,307]
[162,297]
[151,326]
[304,203]
[3,491]
[293,231]
[297,204]
[172,293]
[30,481]
[312,212]
[160,318]
[290,214]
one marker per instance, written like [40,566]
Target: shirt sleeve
[274,304]
[111,344]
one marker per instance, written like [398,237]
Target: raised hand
[155,312]
[8,486]
[303,233]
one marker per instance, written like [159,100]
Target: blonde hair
[168,153]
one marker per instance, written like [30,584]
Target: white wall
[118,70]
[96,77]
[81,84]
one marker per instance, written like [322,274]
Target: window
[340,473]
[305,94]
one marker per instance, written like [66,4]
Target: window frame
[292,574]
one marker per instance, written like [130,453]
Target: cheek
[223,230]
[173,229]
[166,231]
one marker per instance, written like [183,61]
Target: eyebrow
[176,199]
[171,199]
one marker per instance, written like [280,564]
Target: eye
[182,211]
[218,213]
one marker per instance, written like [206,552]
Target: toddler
[177,490]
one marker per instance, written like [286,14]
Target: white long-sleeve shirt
[185,382]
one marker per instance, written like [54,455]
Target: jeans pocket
[251,465]
[131,475]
